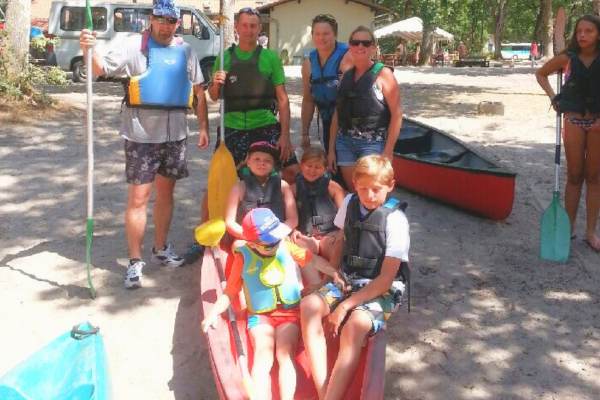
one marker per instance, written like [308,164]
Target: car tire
[206,66]
[78,71]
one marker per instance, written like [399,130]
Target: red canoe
[369,378]
[432,163]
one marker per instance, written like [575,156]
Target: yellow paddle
[222,175]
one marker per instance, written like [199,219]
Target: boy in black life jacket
[318,199]
[260,186]
[375,241]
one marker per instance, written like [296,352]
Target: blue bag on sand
[72,367]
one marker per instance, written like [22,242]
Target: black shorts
[238,141]
[144,160]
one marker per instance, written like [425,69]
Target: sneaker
[194,253]
[133,278]
[167,256]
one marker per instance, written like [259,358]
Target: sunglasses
[166,20]
[249,10]
[356,42]
[265,248]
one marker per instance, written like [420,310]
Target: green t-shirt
[269,65]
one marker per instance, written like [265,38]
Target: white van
[115,21]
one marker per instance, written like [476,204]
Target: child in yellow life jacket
[318,198]
[260,186]
[265,267]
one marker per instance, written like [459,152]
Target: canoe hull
[432,163]
[67,368]
[370,376]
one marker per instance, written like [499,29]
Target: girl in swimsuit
[579,101]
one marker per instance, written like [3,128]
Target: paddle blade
[555,232]
[222,175]
[210,233]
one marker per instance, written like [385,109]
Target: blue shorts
[349,149]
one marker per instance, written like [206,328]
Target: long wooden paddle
[555,229]
[89,226]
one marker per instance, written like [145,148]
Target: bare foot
[594,242]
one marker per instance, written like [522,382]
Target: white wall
[290,23]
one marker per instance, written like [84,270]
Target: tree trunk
[596,5]
[547,30]
[228,10]
[499,28]
[537,33]
[18,23]
[426,44]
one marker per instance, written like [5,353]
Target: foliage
[26,84]
[472,21]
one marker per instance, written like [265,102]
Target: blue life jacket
[261,297]
[165,84]
[325,80]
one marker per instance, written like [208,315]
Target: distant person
[401,52]
[263,40]
[462,50]
[579,101]
[534,53]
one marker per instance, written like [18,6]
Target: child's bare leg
[312,310]
[263,342]
[286,341]
[353,335]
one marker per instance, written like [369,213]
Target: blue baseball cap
[165,8]
[260,225]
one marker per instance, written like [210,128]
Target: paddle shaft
[89,231]
[558,132]
[222,90]
[237,339]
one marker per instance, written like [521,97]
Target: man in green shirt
[254,84]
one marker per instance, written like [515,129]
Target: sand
[489,319]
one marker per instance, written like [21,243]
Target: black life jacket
[581,91]
[316,209]
[245,87]
[365,239]
[256,195]
[358,104]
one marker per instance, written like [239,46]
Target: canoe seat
[447,156]
[413,139]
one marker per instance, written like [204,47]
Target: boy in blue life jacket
[375,240]
[265,267]
[260,186]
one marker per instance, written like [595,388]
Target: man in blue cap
[164,76]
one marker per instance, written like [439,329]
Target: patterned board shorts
[144,160]
[238,141]
[379,309]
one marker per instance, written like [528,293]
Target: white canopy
[411,29]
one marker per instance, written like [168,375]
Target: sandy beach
[489,320]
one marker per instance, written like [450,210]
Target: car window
[190,24]
[73,18]
[131,19]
